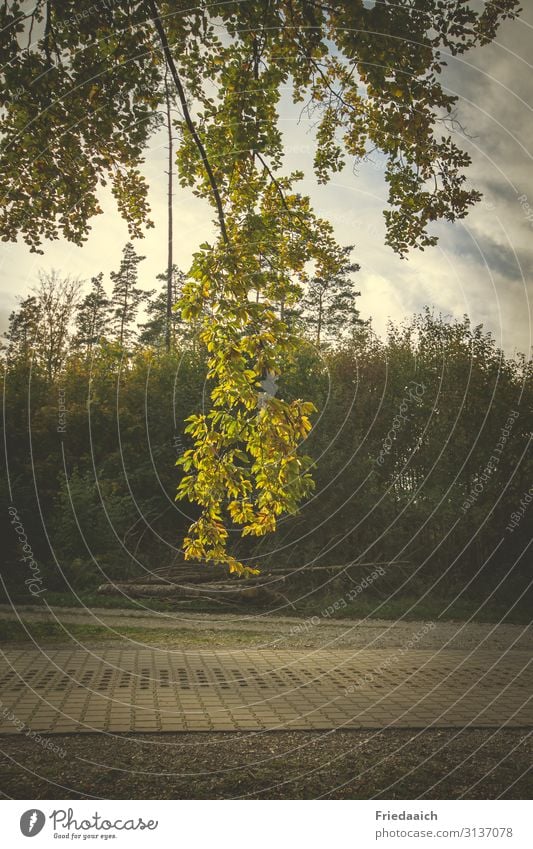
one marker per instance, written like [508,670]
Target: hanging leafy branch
[79,104]
[244,469]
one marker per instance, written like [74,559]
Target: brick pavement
[117,690]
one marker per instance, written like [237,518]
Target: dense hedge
[420,447]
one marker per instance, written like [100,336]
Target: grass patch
[91,599]
[52,632]
[408,608]
[412,609]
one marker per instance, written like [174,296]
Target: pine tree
[160,331]
[92,319]
[127,297]
[329,303]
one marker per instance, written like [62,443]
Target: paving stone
[253,689]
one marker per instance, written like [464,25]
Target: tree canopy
[84,89]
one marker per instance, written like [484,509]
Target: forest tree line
[419,446]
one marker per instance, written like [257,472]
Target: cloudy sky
[481,267]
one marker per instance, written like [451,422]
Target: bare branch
[187,115]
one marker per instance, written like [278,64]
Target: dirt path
[443,764]
[286,632]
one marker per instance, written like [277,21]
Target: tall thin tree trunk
[123,318]
[319,322]
[170,264]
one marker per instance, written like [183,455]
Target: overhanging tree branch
[155,17]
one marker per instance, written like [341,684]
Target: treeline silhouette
[420,444]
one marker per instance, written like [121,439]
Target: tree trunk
[170,263]
[319,322]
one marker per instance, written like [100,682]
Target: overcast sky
[481,267]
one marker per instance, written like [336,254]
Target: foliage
[154,330]
[40,329]
[92,316]
[231,61]
[329,302]
[400,453]
[126,297]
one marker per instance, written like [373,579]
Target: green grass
[412,609]
[92,599]
[52,632]
[408,608]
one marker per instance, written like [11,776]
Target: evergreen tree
[127,297]
[92,319]
[329,303]
[159,330]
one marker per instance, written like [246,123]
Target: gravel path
[291,632]
[443,764]
[402,764]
